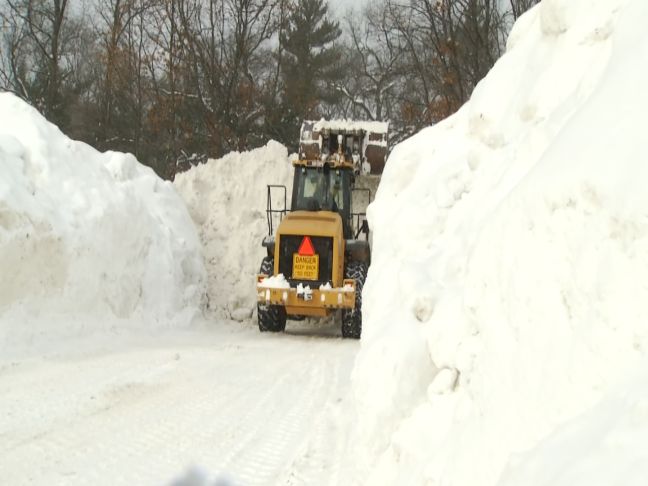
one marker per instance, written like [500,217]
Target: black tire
[272,318]
[352,319]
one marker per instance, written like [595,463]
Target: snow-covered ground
[505,338]
[218,403]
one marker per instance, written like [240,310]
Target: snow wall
[89,242]
[227,200]
[506,309]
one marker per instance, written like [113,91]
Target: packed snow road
[229,402]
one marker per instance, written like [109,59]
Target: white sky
[344,5]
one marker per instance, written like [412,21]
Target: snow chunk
[275,282]
[444,382]
[304,290]
[241,314]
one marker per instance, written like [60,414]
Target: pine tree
[310,64]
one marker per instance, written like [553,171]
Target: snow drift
[227,201]
[89,242]
[506,305]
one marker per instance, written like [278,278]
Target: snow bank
[508,293]
[227,201]
[89,242]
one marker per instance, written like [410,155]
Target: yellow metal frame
[322,302]
[321,223]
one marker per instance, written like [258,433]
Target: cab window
[309,189]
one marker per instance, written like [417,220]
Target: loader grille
[289,245]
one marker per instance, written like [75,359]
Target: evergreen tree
[310,65]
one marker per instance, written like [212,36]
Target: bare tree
[121,30]
[452,45]
[518,7]
[36,63]
[13,65]
[376,64]
[221,42]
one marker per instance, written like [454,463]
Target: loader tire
[272,318]
[352,318]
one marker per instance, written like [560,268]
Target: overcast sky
[344,5]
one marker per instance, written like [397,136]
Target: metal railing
[357,226]
[275,215]
[357,218]
[271,212]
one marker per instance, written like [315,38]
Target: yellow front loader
[316,262]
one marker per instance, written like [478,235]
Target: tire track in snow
[279,431]
[252,410]
[174,415]
[320,454]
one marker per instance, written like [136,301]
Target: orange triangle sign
[306,247]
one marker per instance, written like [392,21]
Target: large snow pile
[505,334]
[227,200]
[89,242]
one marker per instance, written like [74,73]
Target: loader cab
[324,189]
